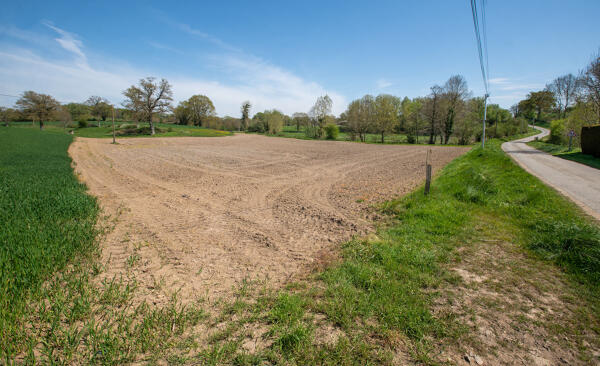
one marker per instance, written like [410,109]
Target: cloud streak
[510,91]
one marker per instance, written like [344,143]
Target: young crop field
[126,129]
[46,219]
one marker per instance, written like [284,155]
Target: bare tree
[564,89]
[38,106]
[590,81]
[149,97]
[455,93]
[245,109]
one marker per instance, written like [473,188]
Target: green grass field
[46,218]
[378,294]
[563,152]
[163,130]
[291,132]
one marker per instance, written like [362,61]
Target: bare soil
[201,215]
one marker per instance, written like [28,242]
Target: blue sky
[284,54]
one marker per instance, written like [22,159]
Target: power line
[8,95]
[485,42]
[482,50]
[481,45]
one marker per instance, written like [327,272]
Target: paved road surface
[579,182]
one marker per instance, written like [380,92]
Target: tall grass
[45,218]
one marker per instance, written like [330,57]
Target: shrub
[256,127]
[312,132]
[410,139]
[82,123]
[557,132]
[332,131]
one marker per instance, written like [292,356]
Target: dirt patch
[200,215]
[517,310]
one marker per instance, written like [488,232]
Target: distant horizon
[284,56]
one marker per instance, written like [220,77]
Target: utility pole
[484,117]
[113,115]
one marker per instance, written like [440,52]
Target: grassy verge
[562,152]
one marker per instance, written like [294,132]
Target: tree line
[567,103]
[449,111]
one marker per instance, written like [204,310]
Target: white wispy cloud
[71,43]
[383,83]
[510,91]
[267,86]
[164,47]
[205,36]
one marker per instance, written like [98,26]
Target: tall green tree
[387,108]
[200,107]
[361,114]
[540,102]
[245,109]
[455,93]
[319,112]
[432,111]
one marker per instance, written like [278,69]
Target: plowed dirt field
[200,215]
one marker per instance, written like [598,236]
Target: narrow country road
[579,182]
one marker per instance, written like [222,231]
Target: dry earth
[200,215]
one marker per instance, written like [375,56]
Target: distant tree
[4,115]
[149,97]
[64,115]
[245,109]
[182,114]
[361,114]
[590,82]
[455,93]
[273,121]
[319,112]
[541,101]
[38,106]
[432,111]
[412,113]
[99,107]
[300,119]
[78,111]
[564,89]
[386,114]
[200,107]
[466,127]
